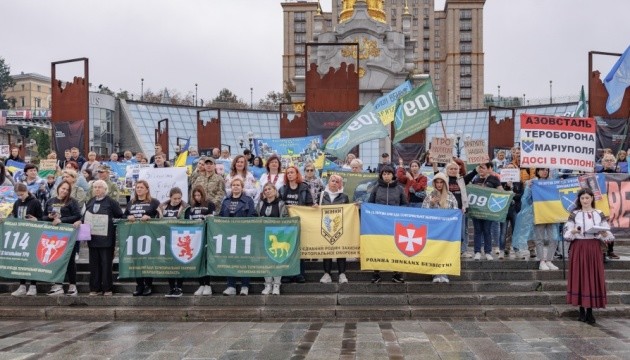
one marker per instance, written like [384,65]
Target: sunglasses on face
[310,170]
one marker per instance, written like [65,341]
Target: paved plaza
[459,339]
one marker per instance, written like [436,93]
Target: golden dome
[375,10]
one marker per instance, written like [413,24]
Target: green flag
[416,111]
[487,203]
[580,110]
[363,126]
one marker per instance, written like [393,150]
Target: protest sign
[357,186]
[328,232]
[508,174]
[5,151]
[476,151]
[416,240]
[162,249]
[557,142]
[555,199]
[486,203]
[441,150]
[253,246]
[162,180]
[33,250]
[618,192]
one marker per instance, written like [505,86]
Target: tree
[6,81]
[42,137]
[272,100]
[102,89]
[123,94]
[229,100]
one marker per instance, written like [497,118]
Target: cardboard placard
[441,150]
[476,151]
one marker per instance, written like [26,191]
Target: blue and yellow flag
[415,240]
[555,199]
[183,155]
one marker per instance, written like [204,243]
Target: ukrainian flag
[415,240]
[183,155]
[555,199]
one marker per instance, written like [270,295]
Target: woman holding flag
[333,195]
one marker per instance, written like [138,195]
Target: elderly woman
[100,212]
[91,163]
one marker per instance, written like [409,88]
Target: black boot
[590,319]
[582,316]
[139,290]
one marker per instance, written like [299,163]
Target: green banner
[488,204]
[253,247]
[33,250]
[416,111]
[363,126]
[356,185]
[161,249]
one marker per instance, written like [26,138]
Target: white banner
[162,180]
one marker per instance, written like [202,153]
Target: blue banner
[385,106]
[292,151]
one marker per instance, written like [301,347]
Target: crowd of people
[82,190]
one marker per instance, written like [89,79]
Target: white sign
[5,150]
[476,151]
[513,175]
[162,180]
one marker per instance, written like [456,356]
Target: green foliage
[226,96]
[6,81]
[42,137]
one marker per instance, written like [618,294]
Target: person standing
[77,157]
[413,180]
[388,192]
[213,183]
[586,283]
[239,168]
[174,208]
[483,228]
[333,195]
[15,154]
[237,204]
[142,207]
[100,212]
[312,179]
[274,173]
[200,208]
[545,233]
[270,205]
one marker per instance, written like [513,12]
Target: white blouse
[585,220]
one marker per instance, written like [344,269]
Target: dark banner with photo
[33,250]
[253,247]
[612,134]
[161,249]
[67,135]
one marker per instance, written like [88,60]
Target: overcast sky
[237,44]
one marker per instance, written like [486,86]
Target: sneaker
[376,278]
[467,255]
[108,293]
[207,290]
[147,290]
[174,292]
[230,291]
[21,291]
[170,293]
[489,257]
[93,293]
[398,278]
[543,266]
[501,255]
[477,256]
[199,291]
[266,290]
[523,254]
[32,290]
[276,289]
[445,279]
[56,290]
[178,292]
[512,255]
[437,279]
[326,279]
[72,290]
[612,255]
[244,291]
[532,254]
[343,279]
[139,291]
[551,266]
[496,250]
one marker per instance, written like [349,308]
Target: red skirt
[586,284]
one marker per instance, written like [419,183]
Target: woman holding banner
[237,204]
[26,207]
[100,212]
[457,186]
[64,209]
[440,198]
[174,208]
[270,205]
[333,195]
[414,182]
[200,208]
[545,233]
[586,228]
[142,207]
[296,192]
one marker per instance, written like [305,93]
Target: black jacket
[70,212]
[107,207]
[30,206]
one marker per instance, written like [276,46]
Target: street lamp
[250,141]
[196,97]
[550,92]
[142,89]
[523,99]
[251,98]
[499,93]
[458,135]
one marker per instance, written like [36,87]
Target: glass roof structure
[265,124]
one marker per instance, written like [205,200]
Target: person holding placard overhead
[585,229]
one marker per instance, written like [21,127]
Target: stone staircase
[498,289]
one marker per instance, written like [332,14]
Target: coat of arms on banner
[527,145]
[280,242]
[186,243]
[410,240]
[332,224]
[51,246]
[498,202]
[567,197]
